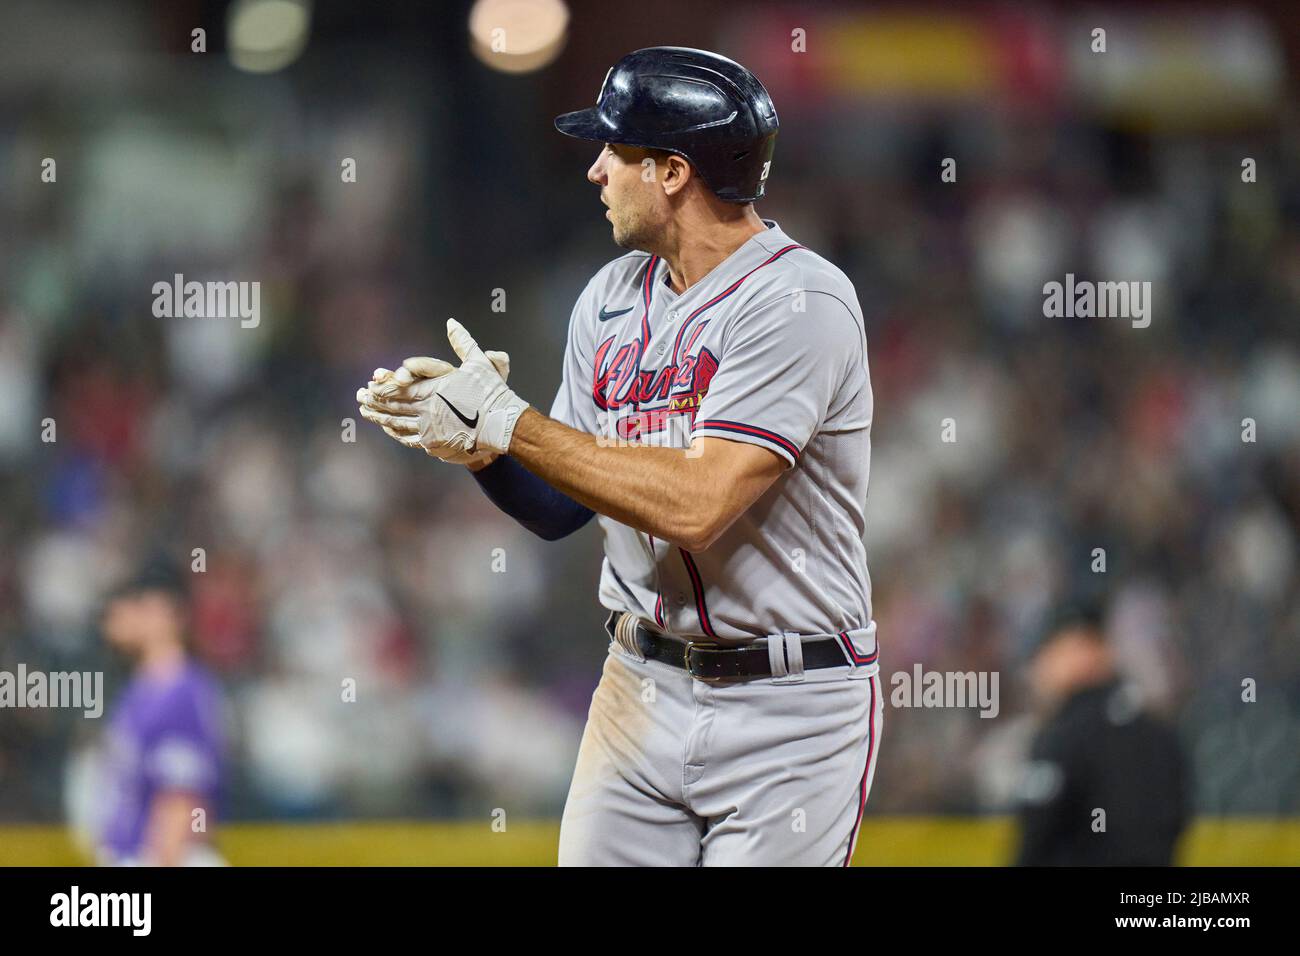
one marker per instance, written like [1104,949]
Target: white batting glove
[493,409]
[470,408]
[398,404]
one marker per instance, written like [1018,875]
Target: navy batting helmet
[699,105]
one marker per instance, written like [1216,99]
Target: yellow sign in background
[886,841]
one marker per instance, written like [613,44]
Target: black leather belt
[707,661]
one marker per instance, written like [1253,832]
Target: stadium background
[472,683]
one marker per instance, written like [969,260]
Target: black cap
[1080,613]
[158,572]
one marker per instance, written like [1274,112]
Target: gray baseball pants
[673,771]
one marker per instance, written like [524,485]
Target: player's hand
[399,398]
[469,409]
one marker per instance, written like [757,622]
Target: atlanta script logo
[620,382]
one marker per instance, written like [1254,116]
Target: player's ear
[677,174]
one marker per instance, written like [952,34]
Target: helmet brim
[586,124]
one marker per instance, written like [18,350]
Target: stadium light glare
[518,36]
[263,36]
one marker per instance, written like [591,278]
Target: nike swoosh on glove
[390,396]
[477,396]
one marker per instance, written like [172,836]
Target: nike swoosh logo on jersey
[606,316]
[471,422]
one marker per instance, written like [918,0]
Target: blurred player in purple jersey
[164,743]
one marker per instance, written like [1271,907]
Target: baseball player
[165,745]
[715,413]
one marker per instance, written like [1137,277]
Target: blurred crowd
[331,555]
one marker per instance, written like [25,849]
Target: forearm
[655,490]
[168,832]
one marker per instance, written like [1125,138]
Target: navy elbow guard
[547,513]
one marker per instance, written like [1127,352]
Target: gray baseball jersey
[769,348]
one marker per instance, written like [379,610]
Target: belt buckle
[686,660]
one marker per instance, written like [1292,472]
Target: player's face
[638,208]
[1060,666]
[135,621]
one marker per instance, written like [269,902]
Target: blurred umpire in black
[1107,783]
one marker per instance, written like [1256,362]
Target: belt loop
[790,651]
[625,634]
[794,653]
[776,656]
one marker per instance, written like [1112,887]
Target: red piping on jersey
[866,773]
[647,293]
[677,345]
[723,425]
[697,585]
